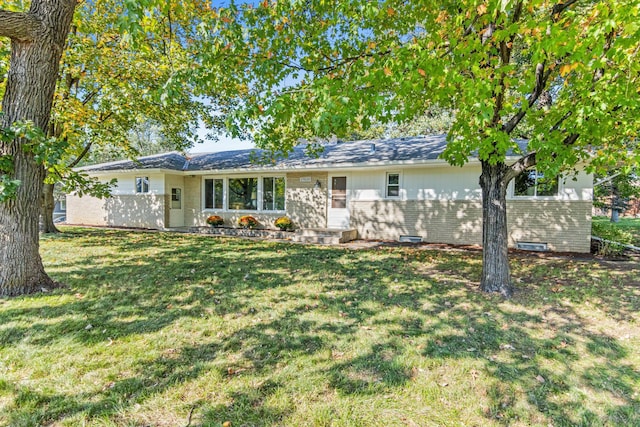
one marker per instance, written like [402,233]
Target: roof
[171,161]
[335,154]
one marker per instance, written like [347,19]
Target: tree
[37,40]
[27,145]
[111,88]
[615,189]
[562,74]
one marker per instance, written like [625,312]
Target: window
[339,192]
[176,198]
[273,194]
[213,193]
[248,193]
[142,184]
[534,184]
[393,185]
[63,204]
[243,194]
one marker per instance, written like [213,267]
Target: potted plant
[215,220]
[284,223]
[247,221]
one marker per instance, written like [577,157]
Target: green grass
[173,330]
[625,225]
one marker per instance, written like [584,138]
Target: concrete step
[325,236]
[318,240]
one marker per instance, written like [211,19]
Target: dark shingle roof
[172,161]
[336,154]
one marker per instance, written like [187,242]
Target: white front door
[338,209]
[176,208]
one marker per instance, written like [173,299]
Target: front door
[176,210]
[338,209]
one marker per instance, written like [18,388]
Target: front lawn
[159,329]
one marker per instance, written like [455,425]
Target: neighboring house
[384,189]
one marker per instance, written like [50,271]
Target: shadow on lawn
[436,310]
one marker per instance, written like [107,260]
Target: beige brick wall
[139,210]
[438,221]
[192,198]
[307,206]
[564,225]
[86,210]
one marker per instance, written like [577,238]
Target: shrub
[215,220]
[284,223]
[247,221]
[615,237]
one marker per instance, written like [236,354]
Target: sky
[224,143]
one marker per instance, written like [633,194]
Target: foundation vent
[410,239]
[529,246]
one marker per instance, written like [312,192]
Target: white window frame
[143,179]
[261,191]
[258,193]
[386,185]
[535,195]
[204,194]
[225,193]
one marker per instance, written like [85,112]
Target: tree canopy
[562,74]
[106,66]
[318,69]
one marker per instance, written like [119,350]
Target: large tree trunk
[495,259]
[48,206]
[37,41]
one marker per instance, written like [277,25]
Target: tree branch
[559,122]
[560,7]
[337,64]
[521,165]
[542,77]
[19,26]
[84,152]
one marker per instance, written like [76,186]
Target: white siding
[429,183]
[449,183]
[127,183]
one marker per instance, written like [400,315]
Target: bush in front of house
[247,221]
[614,238]
[284,223]
[215,220]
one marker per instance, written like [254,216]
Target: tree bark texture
[33,70]
[496,276]
[48,206]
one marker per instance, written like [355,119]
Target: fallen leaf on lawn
[540,379]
